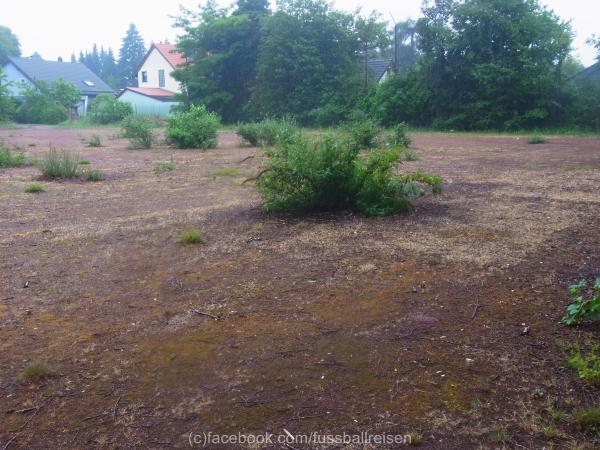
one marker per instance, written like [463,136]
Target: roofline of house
[166,99]
[147,55]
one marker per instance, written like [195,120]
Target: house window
[144,77]
[161,78]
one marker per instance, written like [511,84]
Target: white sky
[56,28]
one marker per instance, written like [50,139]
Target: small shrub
[268,131]
[196,128]
[329,174]
[192,236]
[409,155]
[225,172]
[587,366]
[94,141]
[34,188]
[164,166]
[9,159]
[399,137]
[106,108]
[84,162]
[364,133]
[588,419]
[582,309]
[139,131]
[35,372]
[537,140]
[94,175]
[59,165]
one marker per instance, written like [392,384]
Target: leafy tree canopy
[9,45]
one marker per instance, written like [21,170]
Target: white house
[381,69]
[156,87]
[22,72]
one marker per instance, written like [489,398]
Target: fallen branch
[476,309]
[202,313]
[257,177]
[114,413]
[246,159]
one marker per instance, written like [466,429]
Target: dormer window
[144,77]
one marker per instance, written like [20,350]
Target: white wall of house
[16,78]
[153,64]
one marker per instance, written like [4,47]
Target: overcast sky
[61,27]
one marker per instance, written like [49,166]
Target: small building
[156,86]
[380,69]
[22,72]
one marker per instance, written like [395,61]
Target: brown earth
[330,323]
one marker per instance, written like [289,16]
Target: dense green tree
[492,63]
[7,103]
[131,54]
[9,45]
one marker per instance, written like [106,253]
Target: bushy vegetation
[166,166]
[106,108]
[399,136]
[34,188]
[192,236]
[328,174]
[10,159]
[93,175]
[195,128]
[59,165]
[94,141]
[34,372]
[581,308]
[364,133]
[588,419]
[268,131]
[139,130]
[587,366]
[537,140]
[47,103]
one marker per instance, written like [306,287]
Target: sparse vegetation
[84,162]
[94,141]
[192,236]
[588,419]
[166,166]
[583,309]
[34,188]
[59,165]
[587,366]
[93,175]
[10,159]
[327,174]
[195,128]
[409,155]
[225,172]
[537,140]
[35,372]
[139,130]
[268,132]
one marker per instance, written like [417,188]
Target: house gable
[156,67]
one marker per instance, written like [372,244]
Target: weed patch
[59,165]
[192,236]
[34,188]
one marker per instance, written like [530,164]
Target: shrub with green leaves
[139,130]
[328,174]
[106,108]
[364,133]
[399,137]
[192,236]
[268,131]
[34,188]
[195,128]
[10,159]
[93,175]
[582,309]
[94,141]
[587,366]
[59,165]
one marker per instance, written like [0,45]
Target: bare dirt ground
[327,323]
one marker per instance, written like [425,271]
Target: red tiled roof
[171,54]
[158,93]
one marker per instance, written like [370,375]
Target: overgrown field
[163,300]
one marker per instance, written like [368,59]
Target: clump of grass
[192,236]
[258,227]
[399,137]
[409,155]
[59,165]
[499,436]
[34,188]
[588,418]
[94,175]
[587,366]
[94,141]
[84,162]
[139,131]
[35,372]
[164,166]
[9,159]
[225,172]
[268,131]
[537,140]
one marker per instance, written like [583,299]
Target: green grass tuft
[537,140]
[164,166]
[35,372]
[588,418]
[192,236]
[84,162]
[94,175]
[9,159]
[34,188]
[59,165]
[94,141]
[225,172]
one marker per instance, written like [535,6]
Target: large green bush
[195,128]
[328,174]
[106,108]
[268,131]
[47,103]
[364,133]
[139,130]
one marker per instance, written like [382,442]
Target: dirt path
[325,324]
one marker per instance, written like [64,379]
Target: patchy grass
[409,155]
[537,140]
[167,166]
[499,436]
[35,372]
[84,162]
[94,175]
[34,188]
[192,236]
[59,165]
[258,227]
[587,366]
[225,172]
[10,159]
[94,141]
[578,167]
[588,419]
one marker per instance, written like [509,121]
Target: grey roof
[589,72]
[379,67]
[36,69]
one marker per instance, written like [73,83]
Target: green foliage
[9,159]
[192,236]
[106,108]
[47,103]
[582,309]
[131,54]
[59,165]
[588,366]
[364,133]
[268,131]
[588,418]
[84,162]
[8,105]
[34,372]
[139,130]
[312,174]
[408,155]
[225,172]
[94,141]
[399,137]
[34,188]
[537,140]
[195,128]
[61,92]
[167,166]
[9,45]
[93,175]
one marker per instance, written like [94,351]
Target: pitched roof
[589,72]
[86,81]
[168,51]
[156,93]
[379,67]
